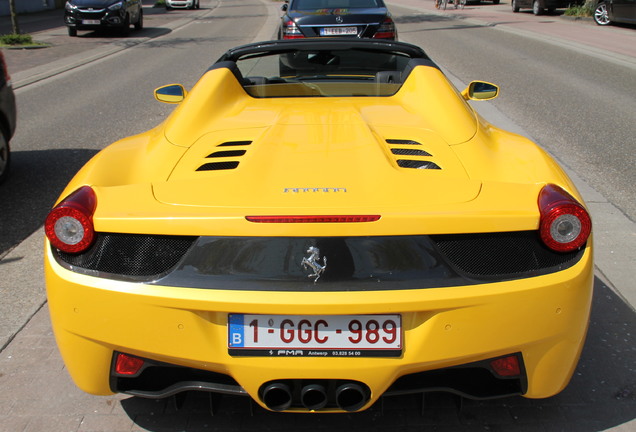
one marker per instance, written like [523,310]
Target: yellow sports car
[316,225]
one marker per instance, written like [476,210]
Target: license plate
[90,22]
[339,31]
[315,335]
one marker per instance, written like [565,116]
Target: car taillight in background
[386,30]
[69,226]
[5,71]
[565,224]
[291,31]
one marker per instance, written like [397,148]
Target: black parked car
[611,11]
[336,18]
[99,14]
[540,6]
[7,118]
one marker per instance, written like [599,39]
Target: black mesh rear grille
[502,254]
[353,263]
[133,255]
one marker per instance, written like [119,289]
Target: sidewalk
[63,52]
[578,34]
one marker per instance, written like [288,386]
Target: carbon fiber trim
[351,264]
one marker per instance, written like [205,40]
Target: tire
[72,31]
[495,2]
[536,8]
[140,21]
[515,7]
[125,30]
[5,158]
[198,5]
[601,15]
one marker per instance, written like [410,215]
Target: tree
[14,17]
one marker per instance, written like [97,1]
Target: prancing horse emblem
[313,261]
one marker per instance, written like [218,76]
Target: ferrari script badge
[313,261]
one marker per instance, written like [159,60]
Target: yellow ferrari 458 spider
[316,225]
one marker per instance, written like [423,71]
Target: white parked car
[182,4]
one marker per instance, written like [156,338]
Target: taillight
[291,31]
[69,226]
[314,219]
[565,225]
[386,30]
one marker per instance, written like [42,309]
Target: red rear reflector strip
[506,366]
[128,365]
[313,219]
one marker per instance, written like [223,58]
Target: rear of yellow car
[318,254]
[485,340]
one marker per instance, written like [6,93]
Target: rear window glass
[335,4]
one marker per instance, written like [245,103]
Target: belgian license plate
[338,31]
[90,22]
[315,335]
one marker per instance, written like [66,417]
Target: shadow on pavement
[36,180]
[601,395]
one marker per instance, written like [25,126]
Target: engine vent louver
[409,152]
[235,143]
[417,158]
[216,166]
[228,153]
[230,157]
[417,164]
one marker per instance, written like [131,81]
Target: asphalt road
[69,117]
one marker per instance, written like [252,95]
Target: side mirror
[284,7]
[480,91]
[172,94]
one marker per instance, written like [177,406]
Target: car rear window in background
[335,4]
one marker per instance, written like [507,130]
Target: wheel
[515,6]
[495,2]
[198,5]
[5,158]
[601,17]
[140,21]
[536,8]
[72,31]
[125,30]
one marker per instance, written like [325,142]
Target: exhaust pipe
[277,396]
[313,397]
[351,397]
